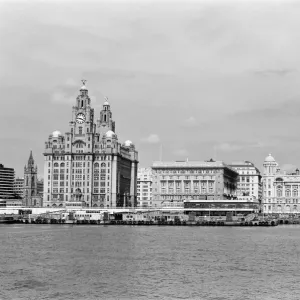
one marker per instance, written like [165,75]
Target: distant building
[281,190]
[174,182]
[40,187]
[144,187]
[7,176]
[88,164]
[249,181]
[31,196]
[19,187]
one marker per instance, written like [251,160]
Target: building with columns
[177,181]
[281,190]
[88,164]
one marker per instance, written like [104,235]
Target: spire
[30,160]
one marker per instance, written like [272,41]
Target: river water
[140,262]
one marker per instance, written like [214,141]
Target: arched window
[56,165]
[288,193]
[104,118]
[279,193]
[96,165]
[295,193]
[81,103]
[26,181]
[62,165]
[103,165]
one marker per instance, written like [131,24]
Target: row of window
[188,191]
[178,184]
[185,171]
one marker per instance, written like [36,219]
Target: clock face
[80,118]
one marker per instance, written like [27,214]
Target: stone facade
[19,187]
[281,190]
[31,198]
[249,182]
[88,164]
[192,180]
[144,187]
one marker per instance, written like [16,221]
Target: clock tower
[83,115]
[88,164]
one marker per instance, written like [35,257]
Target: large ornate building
[281,190]
[88,164]
[192,180]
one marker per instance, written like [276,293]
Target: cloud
[151,139]
[181,152]
[190,122]
[276,72]
[232,146]
[288,167]
[72,82]
[63,98]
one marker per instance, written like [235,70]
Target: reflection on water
[139,262]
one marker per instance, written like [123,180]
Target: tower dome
[56,133]
[106,101]
[83,88]
[110,134]
[128,143]
[270,158]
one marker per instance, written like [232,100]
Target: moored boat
[6,219]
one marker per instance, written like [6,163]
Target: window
[288,193]
[80,130]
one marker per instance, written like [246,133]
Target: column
[113,198]
[133,184]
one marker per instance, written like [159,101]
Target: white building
[88,164]
[144,187]
[249,181]
[281,190]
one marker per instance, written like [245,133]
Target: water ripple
[129,262]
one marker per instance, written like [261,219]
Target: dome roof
[83,88]
[110,133]
[128,143]
[56,133]
[106,101]
[270,158]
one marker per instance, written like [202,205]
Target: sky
[185,79]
